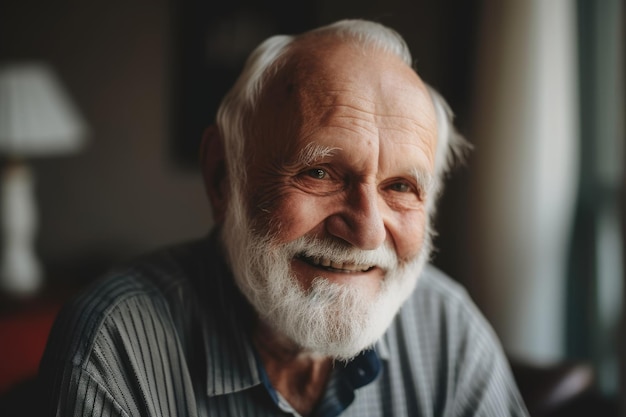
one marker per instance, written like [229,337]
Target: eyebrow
[314,152]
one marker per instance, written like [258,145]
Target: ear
[213,162]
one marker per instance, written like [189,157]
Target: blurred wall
[123,193]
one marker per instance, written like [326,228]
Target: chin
[341,318]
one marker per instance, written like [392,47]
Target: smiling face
[339,173]
[345,150]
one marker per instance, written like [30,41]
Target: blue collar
[345,379]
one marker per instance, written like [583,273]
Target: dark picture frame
[211,42]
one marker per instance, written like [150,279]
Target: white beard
[330,319]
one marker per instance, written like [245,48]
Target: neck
[298,375]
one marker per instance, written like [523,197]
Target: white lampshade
[37,118]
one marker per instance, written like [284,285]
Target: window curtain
[525,172]
[596,267]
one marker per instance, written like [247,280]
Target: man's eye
[400,187]
[317,173]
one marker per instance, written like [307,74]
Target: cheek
[408,232]
[290,216]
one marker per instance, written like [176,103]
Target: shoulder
[125,335]
[442,344]
[437,296]
[441,321]
[150,286]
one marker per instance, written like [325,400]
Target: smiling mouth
[329,265]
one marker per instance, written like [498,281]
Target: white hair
[239,104]
[451,146]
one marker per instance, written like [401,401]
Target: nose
[359,222]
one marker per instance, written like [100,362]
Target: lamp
[37,118]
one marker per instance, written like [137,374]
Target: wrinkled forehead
[317,74]
[325,63]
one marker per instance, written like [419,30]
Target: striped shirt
[169,335]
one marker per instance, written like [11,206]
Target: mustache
[383,257]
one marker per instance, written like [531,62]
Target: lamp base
[20,272]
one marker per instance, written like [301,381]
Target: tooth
[320,261]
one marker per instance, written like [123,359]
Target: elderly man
[312,296]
